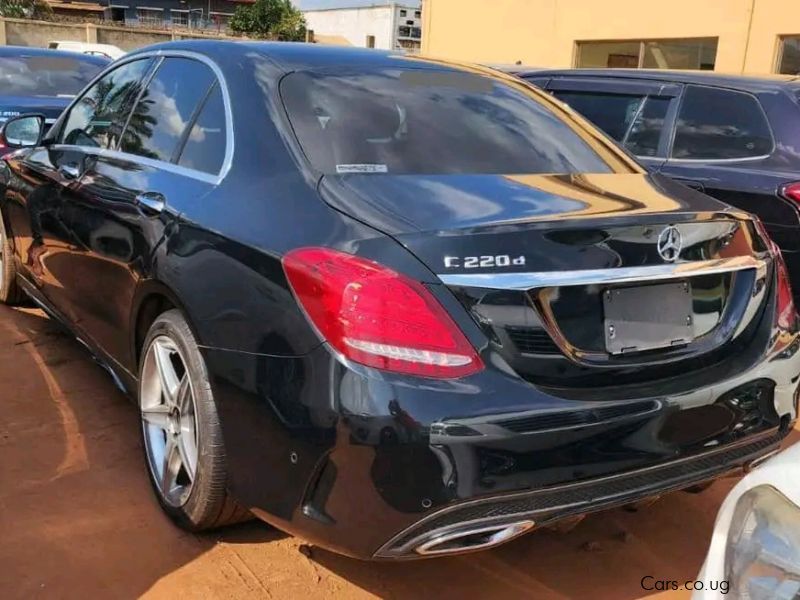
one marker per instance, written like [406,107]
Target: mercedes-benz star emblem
[670,244]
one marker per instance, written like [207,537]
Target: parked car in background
[106,50]
[35,80]
[735,138]
[755,547]
[399,307]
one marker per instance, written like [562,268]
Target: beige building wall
[544,32]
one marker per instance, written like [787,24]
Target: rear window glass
[430,122]
[720,124]
[46,75]
[613,113]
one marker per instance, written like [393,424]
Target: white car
[755,548]
[107,50]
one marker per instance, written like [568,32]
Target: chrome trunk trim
[527,281]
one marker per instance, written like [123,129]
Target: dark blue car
[397,306]
[736,138]
[36,80]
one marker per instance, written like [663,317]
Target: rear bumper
[375,466]
[543,507]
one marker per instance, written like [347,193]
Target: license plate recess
[648,317]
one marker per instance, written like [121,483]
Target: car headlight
[762,558]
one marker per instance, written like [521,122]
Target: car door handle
[151,203]
[70,171]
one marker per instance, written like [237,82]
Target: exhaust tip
[467,540]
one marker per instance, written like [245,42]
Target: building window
[403,13]
[418,14]
[118,12]
[150,16]
[220,20]
[697,53]
[180,18]
[789,55]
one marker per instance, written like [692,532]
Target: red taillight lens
[791,191]
[377,317]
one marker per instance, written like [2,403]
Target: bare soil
[78,520]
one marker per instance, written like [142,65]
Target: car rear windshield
[42,75]
[414,121]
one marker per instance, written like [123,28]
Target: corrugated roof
[334,4]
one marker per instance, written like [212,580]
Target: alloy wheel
[169,420]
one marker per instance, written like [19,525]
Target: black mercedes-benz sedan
[395,306]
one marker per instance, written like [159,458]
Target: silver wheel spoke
[171,466]
[157,416]
[166,373]
[183,398]
[187,451]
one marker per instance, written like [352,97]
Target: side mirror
[24,131]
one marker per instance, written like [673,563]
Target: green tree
[19,9]
[275,19]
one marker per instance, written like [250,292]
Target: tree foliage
[275,19]
[21,9]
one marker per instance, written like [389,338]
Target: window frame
[642,43]
[158,56]
[670,146]
[151,20]
[781,50]
[182,12]
[57,128]
[647,88]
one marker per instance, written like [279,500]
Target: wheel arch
[151,299]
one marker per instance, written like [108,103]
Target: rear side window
[167,106]
[645,132]
[98,117]
[613,113]
[720,124]
[205,145]
[433,122]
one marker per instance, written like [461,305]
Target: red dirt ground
[77,518]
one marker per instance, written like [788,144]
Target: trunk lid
[555,269]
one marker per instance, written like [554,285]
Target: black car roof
[743,82]
[290,56]
[21,51]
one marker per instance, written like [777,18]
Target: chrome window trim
[142,160]
[644,274]
[160,164]
[720,160]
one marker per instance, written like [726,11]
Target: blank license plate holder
[648,317]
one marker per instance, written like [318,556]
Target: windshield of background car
[415,121]
[46,75]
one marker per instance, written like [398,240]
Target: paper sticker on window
[366,168]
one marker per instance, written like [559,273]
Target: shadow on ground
[77,516]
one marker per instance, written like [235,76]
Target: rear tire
[182,437]
[10,292]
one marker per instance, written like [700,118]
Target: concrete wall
[38,34]
[544,32]
[23,32]
[355,24]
